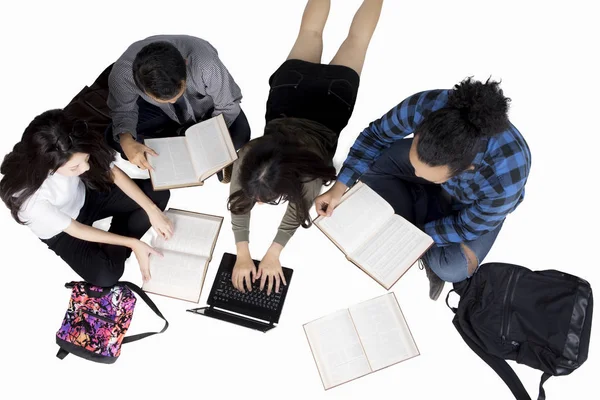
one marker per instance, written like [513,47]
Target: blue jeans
[393,177]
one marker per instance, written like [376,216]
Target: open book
[364,338]
[381,243]
[188,160]
[180,273]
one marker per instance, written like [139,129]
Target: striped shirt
[484,196]
[208,85]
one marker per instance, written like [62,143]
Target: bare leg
[309,44]
[472,261]
[354,49]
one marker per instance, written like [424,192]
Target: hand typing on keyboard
[269,269]
[226,293]
[244,271]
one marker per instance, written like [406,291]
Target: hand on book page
[358,217]
[193,234]
[180,273]
[161,223]
[326,203]
[142,252]
[177,275]
[136,152]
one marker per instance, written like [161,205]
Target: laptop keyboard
[225,292]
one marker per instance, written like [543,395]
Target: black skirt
[319,92]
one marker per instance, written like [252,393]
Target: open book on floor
[381,243]
[362,339]
[182,161]
[180,273]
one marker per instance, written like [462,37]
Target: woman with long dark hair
[308,106]
[60,178]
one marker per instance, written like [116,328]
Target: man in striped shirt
[164,82]
[458,178]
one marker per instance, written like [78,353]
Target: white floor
[544,55]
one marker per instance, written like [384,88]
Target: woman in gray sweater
[308,106]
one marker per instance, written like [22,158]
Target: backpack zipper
[100,317]
[512,296]
[508,287]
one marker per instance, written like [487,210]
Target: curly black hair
[452,136]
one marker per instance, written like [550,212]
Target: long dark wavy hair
[276,165]
[50,141]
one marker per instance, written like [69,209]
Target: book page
[392,251]
[337,349]
[193,233]
[383,331]
[177,275]
[360,214]
[209,147]
[173,165]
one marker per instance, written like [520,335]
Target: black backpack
[90,104]
[542,319]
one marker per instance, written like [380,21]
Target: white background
[546,55]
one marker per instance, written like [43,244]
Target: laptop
[253,309]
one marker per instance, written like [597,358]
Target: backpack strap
[542,394]
[453,309]
[151,304]
[500,366]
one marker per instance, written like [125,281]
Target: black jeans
[101,264]
[154,123]
[393,177]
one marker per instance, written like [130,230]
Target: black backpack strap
[500,366]
[154,308]
[448,304]
[542,395]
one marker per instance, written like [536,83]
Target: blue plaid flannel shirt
[484,195]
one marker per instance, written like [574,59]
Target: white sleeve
[44,219]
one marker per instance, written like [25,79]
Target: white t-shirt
[51,208]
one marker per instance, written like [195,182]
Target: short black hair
[158,69]
[453,135]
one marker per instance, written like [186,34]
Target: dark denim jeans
[393,177]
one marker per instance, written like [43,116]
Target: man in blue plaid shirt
[460,175]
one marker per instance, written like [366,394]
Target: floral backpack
[97,320]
